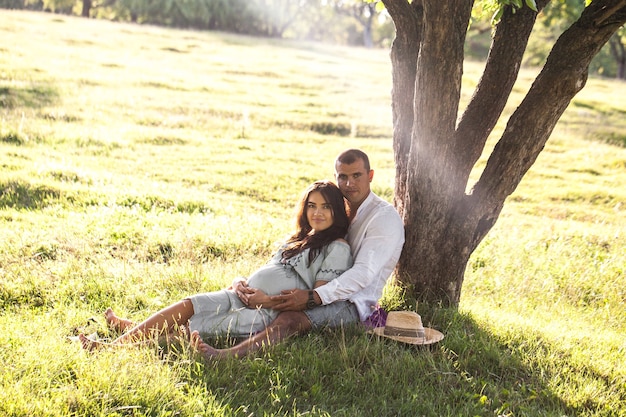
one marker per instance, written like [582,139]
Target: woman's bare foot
[208,352]
[89,344]
[117,323]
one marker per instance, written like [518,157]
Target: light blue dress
[221,313]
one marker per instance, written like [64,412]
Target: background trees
[337,21]
[353,22]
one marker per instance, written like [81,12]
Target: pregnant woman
[314,255]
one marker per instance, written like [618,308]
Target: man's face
[353,181]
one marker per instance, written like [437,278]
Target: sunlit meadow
[139,165]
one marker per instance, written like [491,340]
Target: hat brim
[431,336]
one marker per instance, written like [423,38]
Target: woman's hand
[243,291]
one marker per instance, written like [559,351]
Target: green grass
[139,165]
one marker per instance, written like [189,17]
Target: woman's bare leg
[116,323]
[161,323]
[288,323]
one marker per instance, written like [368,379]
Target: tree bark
[87,4]
[408,19]
[434,155]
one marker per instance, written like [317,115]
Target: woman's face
[319,213]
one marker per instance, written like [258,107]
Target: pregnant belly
[272,279]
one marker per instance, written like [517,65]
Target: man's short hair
[352,155]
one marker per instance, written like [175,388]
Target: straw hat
[406,326]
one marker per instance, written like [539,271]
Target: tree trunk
[86,8]
[367,22]
[435,155]
[618,51]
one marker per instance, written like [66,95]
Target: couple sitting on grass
[310,283]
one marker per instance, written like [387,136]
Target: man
[376,236]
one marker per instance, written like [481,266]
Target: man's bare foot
[208,352]
[89,344]
[117,323]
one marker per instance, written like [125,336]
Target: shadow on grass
[32,96]
[346,372]
[612,138]
[35,96]
[23,195]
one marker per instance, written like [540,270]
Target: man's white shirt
[376,236]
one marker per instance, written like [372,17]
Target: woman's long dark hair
[303,239]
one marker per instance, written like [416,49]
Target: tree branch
[494,88]
[609,12]
[408,19]
[563,76]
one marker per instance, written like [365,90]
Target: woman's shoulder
[339,243]
[338,252]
